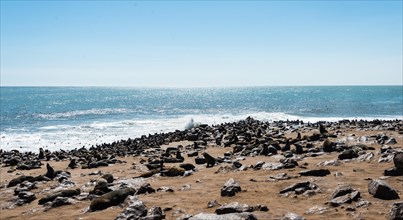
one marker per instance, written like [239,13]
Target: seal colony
[248,169]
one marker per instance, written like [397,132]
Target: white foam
[68,137]
[94,111]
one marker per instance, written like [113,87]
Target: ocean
[71,117]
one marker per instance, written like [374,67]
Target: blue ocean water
[71,117]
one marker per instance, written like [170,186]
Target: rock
[329,163]
[154,213]
[280,176]
[381,190]
[25,186]
[26,197]
[232,216]
[366,157]
[302,186]
[135,210]
[165,189]
[193,154]
[212,204]
[393,172]
[396,212]
[230,188]
[391,141]
[320,172]
[344,194]
[233,207]
[292,216]
[272,166]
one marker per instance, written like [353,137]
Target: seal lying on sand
[111,199]
[63,193]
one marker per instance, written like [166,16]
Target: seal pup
[111,199]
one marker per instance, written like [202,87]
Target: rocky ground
[244,170]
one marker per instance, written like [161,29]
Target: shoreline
[68,137]
[240,149]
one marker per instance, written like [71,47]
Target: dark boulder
[319,172]
[381,190]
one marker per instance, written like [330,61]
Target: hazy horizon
[201,44]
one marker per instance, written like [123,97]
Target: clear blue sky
[187,44]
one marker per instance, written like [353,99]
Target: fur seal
[50,172]
[209,159]
[18,180]
[72,164]
[173,171]
[398,160]
[111,199]
[101,187]
[63,193]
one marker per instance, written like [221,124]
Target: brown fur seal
[63,193]
[173,171]
[111,199]
[50,172]
[209,159]
[398,160]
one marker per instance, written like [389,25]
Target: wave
[70,114]
[70,136]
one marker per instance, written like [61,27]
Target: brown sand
[205,186]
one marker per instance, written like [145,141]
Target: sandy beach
[191,194]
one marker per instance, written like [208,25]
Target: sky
[201,43]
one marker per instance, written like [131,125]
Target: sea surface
[71,117]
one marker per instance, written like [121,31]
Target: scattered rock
[230,188]
[292,216]
[233,207]
[344,194]
[135,210]
[396,212]
[381,190]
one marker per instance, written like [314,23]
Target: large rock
[393,172]
[344,194]
[230,188]
[232,216]
[300,187]
[396,213]
[135,210]
[233,207]
[381,190]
